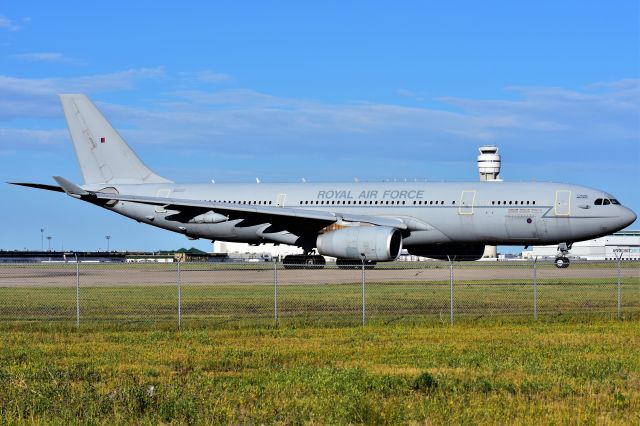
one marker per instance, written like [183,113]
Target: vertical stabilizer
[103,155]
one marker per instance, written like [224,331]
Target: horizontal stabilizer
[69,187]
[38,186]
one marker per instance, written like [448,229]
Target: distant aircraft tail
[103,155]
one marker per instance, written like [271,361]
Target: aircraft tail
[104,157]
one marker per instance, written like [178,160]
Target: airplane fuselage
[495,213]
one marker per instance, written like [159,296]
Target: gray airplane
[359,221]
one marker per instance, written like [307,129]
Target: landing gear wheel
[562,262]
[301,261]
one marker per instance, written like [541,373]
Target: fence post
[275,290]
[363,258]
[77,292]
[535,287]
[619,272]
[450,290]
[179,284]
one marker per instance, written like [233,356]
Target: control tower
[489,163]
[489,169]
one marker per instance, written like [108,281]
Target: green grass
[487,372]
[319,303]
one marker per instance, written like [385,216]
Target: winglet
[70,188]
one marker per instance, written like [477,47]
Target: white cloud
[34,138]
[604,110]
[549,119]
[46,57]
[209,76]
[23,97]
[406,93]
[8,24]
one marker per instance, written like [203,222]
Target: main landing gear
[562,261]
[354,264]
[304,261]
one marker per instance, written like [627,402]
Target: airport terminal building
[624,244]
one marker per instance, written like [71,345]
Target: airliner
[354,221]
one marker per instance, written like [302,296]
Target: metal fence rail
[216,293]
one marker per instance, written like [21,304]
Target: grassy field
[233,363]
[319,303]
[487,371]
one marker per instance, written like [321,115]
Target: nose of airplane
[627,217]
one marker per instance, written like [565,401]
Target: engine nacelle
[377,243]
[448,251]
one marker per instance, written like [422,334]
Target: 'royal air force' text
[390,194]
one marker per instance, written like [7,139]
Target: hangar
[624,244]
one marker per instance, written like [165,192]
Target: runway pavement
[114,275]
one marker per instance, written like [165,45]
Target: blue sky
[327,91]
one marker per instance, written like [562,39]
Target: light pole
[41,239]
[49,237]
[108,237]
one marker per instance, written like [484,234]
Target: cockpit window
[598,202]
[605,202]
[614,201]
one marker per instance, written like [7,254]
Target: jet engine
[448,251]
[377,243]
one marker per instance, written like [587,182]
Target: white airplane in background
[349,221]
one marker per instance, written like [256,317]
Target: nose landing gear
[562,261]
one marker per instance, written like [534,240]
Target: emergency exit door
[467,200]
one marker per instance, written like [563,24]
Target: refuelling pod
[377,243]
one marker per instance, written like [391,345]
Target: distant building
[243,251]
[182,255]
[624,244]
[60,257]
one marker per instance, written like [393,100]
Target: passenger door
[562,205]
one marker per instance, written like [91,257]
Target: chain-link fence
[190,294]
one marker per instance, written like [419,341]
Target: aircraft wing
[294,220]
